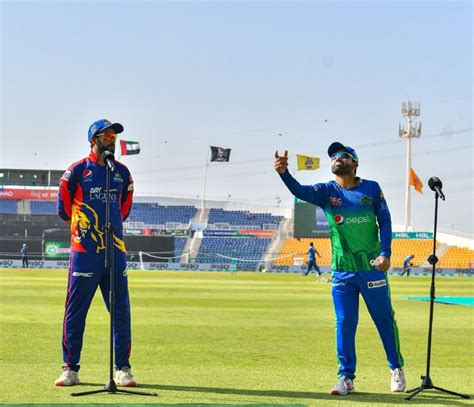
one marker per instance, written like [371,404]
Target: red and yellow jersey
[82,198]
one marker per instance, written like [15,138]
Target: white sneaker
[125,378]
[398,382]
[68,378]
[343,387]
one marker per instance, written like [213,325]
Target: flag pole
[120,150]
[203,203]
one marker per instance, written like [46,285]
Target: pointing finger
[276,154]
[286,154]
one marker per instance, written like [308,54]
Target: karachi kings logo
[85,223]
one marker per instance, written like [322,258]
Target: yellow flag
[415,182]
[306,162]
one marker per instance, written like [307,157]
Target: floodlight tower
[413,130]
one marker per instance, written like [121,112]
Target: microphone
[110,160]
[435,184]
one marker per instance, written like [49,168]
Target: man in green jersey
[361,236]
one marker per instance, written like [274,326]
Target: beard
[342,169]
[106,147]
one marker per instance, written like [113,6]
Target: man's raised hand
[281,163]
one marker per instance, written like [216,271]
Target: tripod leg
[464,396]
[414,392]
[84,393]
[136,392]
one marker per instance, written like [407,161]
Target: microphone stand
[426,382]
[111,386]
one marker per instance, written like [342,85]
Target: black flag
[220,154]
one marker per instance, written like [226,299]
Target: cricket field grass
[230,338]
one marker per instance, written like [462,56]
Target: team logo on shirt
[339,219]
[335,201]
[118,177]
[66,176]
[85,225]
[366,200]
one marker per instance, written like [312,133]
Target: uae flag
[220,154]
[129,147]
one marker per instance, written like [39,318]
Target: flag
[306,162]
[129,147]
[415,182]
[220,154]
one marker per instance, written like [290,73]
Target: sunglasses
[107,136]
[342,155]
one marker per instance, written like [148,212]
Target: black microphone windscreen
[434,182]
[109,155]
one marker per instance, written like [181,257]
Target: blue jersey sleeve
[385,222]
[314,194]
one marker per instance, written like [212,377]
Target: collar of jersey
[92,157]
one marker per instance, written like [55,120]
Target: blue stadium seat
[242,218]
[8,206]
[213,250]
[155,214]
[43,208]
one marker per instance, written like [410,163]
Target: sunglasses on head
[342,155]
[107,136]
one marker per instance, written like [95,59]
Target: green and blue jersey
[356,217]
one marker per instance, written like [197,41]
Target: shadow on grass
[426,398]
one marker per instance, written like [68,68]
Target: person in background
[312,252]
[407,265]
[24,255]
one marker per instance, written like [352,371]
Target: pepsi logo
[339,219]
[86,173]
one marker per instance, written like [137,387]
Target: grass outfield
[220,338]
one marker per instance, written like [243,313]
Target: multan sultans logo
[365,200]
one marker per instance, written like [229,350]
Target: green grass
[220,338]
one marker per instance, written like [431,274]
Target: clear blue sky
[251,76]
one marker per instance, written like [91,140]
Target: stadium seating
[457,257]
[242,218]
[213,249]
[401,248]
[8,206]
[43,208]
[298,248]
[179,243]
[155,214]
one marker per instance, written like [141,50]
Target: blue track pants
[373,285]
[86,273]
